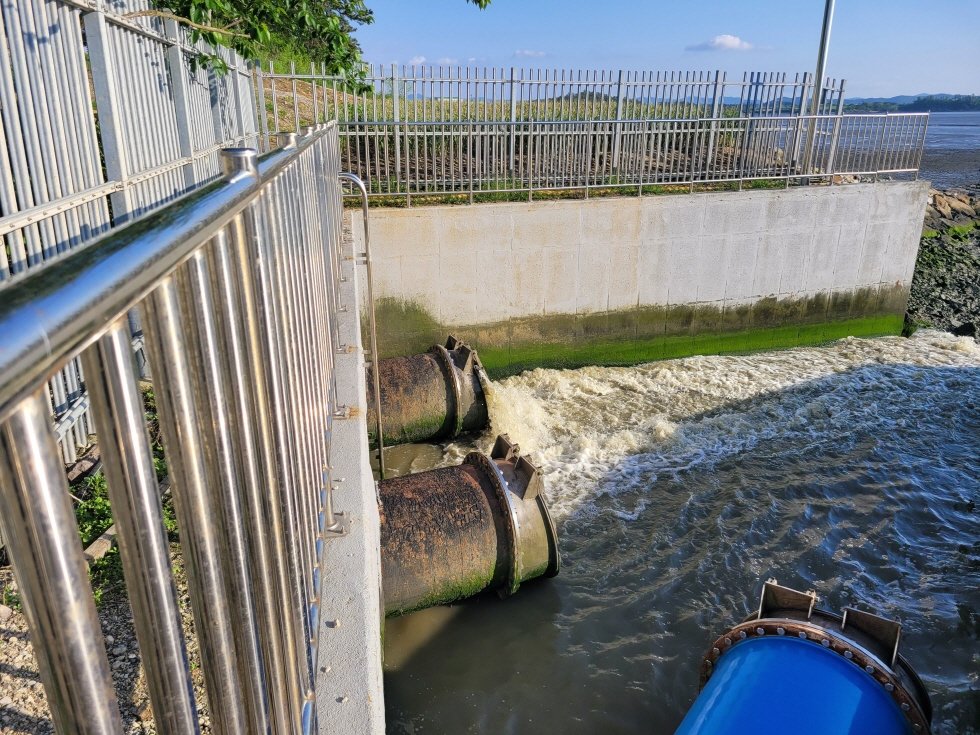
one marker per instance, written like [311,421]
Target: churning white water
[678,487]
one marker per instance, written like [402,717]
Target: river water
[951,157]
[678,487]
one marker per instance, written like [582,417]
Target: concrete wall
[349,688]
[555,276]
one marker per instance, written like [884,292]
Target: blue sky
[882,47]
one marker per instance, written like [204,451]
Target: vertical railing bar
[252,267]
[212,378]
[225,284]
[276,353]
[181,418]
[297,375]
[41,534]
[135,497]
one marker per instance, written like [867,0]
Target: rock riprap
[946,286]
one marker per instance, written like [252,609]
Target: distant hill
[914,103]
[901,99]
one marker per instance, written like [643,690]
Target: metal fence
[104,116]
[236,286]
[433,94]
[479,159]
[415,131]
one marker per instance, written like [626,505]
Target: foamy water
[678,487]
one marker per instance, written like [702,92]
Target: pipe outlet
[793,668]
[435,395]
[450,533]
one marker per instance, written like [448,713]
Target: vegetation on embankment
[946,286]
[928,103]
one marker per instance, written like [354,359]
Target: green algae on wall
[648,333]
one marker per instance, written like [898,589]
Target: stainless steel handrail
[356,181]
[236,285]
[51,315]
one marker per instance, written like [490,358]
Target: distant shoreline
[937,103]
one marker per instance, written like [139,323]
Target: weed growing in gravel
[11,599]
[93,514]
[106,574]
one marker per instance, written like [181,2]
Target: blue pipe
[778,685]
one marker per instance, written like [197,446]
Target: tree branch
[183,21]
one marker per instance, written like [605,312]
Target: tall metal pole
[816,95]
[828,19]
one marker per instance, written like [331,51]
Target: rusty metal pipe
[435,395]
[450,533]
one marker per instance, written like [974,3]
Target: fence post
[396,114]
[107,105]
[799,148]
[238,100]
[717,105]
[178,77]
[513,120]
[811,137]
[835,136]
[292,73]
[316,103]
[618,133]
[263,114]
[217,118]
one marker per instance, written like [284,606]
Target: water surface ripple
[678,487]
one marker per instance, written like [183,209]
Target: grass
[491,192]
[94,514]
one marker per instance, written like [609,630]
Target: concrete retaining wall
[620,280]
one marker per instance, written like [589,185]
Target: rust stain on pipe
[435,395]
[450,533]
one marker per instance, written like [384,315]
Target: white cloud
[724,42]
[417,60]
[446,60]
[528,52]
[471,60]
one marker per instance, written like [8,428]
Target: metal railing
[236,286]
[481,158]
[104,116]
[426,93]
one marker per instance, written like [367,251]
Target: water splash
[678,486]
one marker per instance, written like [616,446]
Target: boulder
[941,203]
[966,329]
[960,207]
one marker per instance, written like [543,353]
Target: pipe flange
[554,560]
[834,643]
[446,360]
[511,521]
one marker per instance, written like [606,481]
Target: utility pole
[818,77]
[828,19]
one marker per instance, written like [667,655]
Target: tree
[320,30]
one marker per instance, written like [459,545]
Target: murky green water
[678,487]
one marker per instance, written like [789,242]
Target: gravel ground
[23,707]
